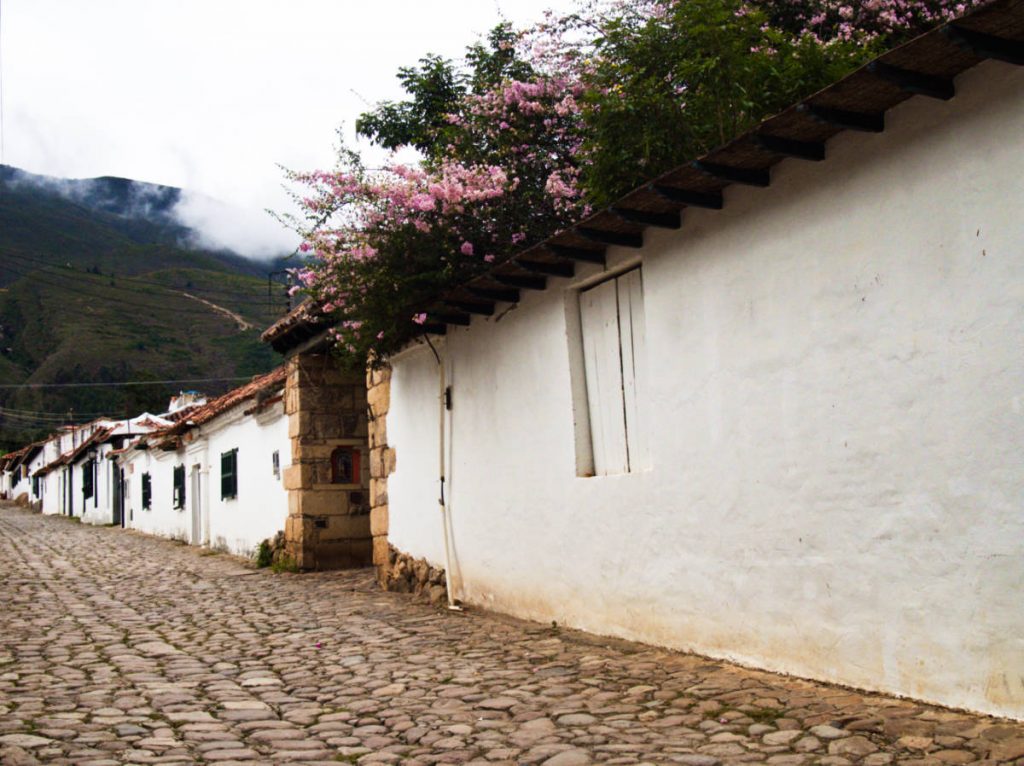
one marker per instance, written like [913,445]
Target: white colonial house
[214,477]
[74,473]
[787,433]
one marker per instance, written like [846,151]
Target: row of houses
[784,431]
[227,473]
[204,472]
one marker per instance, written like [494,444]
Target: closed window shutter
[229,474]
[612,325]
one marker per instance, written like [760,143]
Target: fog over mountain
[168,214]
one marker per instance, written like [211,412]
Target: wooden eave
[925,66]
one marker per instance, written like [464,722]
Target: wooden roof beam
[803,150]
[587,255]
[507,295]
[565,269]
[868,122]
[483,308]
[646,218]
[709,200]
[524,282]
[913,82]
[605,237]
[761,178]
[986,46]
[449,317]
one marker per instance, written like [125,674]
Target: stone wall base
[405,574]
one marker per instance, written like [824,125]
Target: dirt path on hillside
[237,318]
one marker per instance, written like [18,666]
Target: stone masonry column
[382,463]
[396,570]
[328,525]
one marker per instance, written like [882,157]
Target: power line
[8,386]
[43,414]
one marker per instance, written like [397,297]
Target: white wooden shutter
[632,345]
[599,317]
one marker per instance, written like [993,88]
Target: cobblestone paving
[116,648]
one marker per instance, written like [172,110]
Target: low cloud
[217,225]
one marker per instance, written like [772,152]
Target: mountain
[100,282]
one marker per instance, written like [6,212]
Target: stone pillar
[328,525]
[382,463]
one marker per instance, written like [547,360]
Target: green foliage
[264,555]
[284,564]
[667,88]
[435,89]
[62,322]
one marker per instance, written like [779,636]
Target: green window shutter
[229,474]
[147,492]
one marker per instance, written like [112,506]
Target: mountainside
[98,283]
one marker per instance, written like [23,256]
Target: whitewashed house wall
[99,509]
[260,508]
[37,487]
[161,518]
[51,479]
[833,409]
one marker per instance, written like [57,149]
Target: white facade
[235,524]
[260,506]
[833,410]
[160,517]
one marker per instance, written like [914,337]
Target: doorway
[197,510]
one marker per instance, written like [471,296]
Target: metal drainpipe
[445,516]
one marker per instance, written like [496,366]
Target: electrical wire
[11,386]
[44,414]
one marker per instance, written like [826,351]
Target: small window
[87,478]
[179,487]
[612,324]
[147,492]
[275,460]
[345,465]
[229,474]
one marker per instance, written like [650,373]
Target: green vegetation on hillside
[88,296]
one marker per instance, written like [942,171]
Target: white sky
[212,95]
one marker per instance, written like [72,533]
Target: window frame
[607,349]
[147,491]
[178,494]
[229,478]
[88,479]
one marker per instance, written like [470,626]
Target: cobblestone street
[116,648]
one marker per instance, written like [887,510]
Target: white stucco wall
[161,518]
[835,398]
[261,506]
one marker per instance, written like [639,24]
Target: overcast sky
[213,95]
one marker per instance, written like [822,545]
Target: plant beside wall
[535,128]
